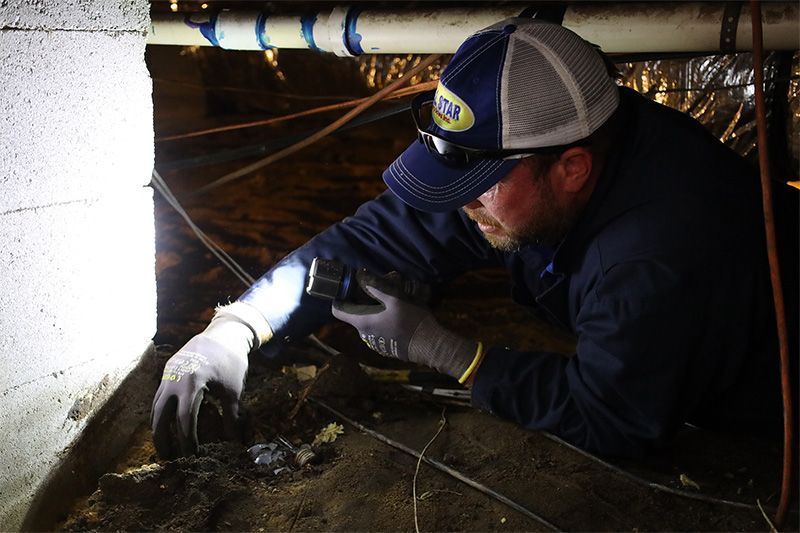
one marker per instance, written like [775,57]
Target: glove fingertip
[187,412]
[154,407]
[161,418]
[231,420]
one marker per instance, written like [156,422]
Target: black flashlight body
[332,280]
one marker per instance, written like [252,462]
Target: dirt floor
[357,483]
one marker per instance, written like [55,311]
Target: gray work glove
[396,327]
[214,361]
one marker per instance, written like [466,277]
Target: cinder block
[76,116]
[79,286]
[39,423]
[97,15]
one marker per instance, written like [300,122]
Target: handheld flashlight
[333,280]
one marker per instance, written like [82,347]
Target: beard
[548,224]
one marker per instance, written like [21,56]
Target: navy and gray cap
[518,84]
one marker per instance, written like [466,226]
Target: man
[618,219]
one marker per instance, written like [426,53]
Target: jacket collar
[600,210]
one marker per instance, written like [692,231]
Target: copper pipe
[772,252]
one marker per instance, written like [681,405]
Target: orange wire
[420,87]
[330,128]
[772,252]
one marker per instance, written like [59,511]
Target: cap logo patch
[450,112]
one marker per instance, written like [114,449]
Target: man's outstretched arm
[384,235]
[628,386]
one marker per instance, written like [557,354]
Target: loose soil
[360,484]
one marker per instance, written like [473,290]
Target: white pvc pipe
[173,30]
[616,28]
[237,30]
[679,27]
[430,32]
[283,32]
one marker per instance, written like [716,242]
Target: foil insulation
[716,90]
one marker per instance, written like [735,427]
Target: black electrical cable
[651,484]
[160,185]
[437,465]
[254,150]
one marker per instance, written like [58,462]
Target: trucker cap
[519,84]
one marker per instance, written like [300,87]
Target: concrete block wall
[77,252]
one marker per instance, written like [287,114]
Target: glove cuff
[230,334]
[476,362]
[250,317]
[444,350]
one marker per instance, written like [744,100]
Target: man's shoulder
[679,229]
[649,229]
[673,188]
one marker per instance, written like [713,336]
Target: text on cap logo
[450,112]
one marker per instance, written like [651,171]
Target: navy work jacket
[663,281]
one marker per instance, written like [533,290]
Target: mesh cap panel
[557,89]
[539,106]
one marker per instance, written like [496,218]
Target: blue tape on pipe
[307,30]
[352,39]
[207,28]
[261,32]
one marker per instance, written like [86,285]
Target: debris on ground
[328,434]
[686,481]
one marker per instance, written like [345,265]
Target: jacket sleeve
[621,393]
[384,235]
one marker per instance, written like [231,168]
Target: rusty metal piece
[302,455]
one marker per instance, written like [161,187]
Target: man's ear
[576,168]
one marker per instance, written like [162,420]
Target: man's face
[523,208]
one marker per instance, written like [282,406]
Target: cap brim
[425,182]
